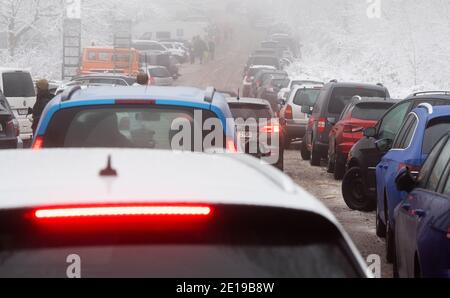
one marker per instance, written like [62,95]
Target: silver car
[159,76]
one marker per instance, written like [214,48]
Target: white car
[249,76]
[175,50]
[296,121]
[18,88]
[141,213]
[293,82]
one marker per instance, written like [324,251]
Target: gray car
[159,76]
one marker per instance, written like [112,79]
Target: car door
[415,214]
[387,169]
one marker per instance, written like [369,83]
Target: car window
[405,134]
[436,128]
[250,111]
[342,96]
[439,168]
[159,72]
[391,123]
[123,127]
[429,163]
[18,84]
[92,56]
[370,111]
[306,97]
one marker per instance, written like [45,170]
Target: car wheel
[306,155]
[353,191]
[330,164]
[380,226]
[339,167]
[390,242]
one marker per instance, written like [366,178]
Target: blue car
[421,130]
[422,220]
[137,117]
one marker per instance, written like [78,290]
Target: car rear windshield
[342,96]
[250,111]
[281,82]
[370,111]
[18,84]
[264,61]
[159,72]
[306,97]
[434,132]
[129,126]
[246,243]
[254,71]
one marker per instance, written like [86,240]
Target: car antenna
[108,171]
[238,95]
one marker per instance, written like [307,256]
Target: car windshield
[250,111]
[370,111]
[18,84]
[159,72]
[434,132]
[306,97]
[124,127]
[342,96]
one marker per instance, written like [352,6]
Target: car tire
[330,164]
[306,155]
[339,167]
[390,243]
[380,227]
[280,163]
[353,191]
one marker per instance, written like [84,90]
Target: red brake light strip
[119,211]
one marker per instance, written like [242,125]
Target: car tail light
[134,102]
[38,143]
[288,113]
[231,146]
[321,125]
[271,128]
[448,233]
[122,211]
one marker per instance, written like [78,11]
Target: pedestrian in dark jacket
[42,99]
[212,49]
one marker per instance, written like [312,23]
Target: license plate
[22,112]
[245,134]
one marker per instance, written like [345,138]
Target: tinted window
[249,111]
[342,96]
[282,83]
[392,122]
[434,132]
[159,72]
[429,163]
[370,111]
[306,97]
[121,127]
[406,134]
[18,84]
[439,168]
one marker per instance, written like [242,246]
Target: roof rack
[209,94]
[380,84]
[334,81]
[432,92]
[427,106]
[67,94]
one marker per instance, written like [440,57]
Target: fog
[401,43]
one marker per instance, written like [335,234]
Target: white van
[18,88]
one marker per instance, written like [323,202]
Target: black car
[261,77]
[359,184]
[9,126]
[332,100]
[251,134]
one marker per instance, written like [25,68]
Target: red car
[361,113]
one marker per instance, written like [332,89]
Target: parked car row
[393,157]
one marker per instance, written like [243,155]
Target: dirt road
[225,73]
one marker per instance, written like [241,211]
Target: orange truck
[110,60]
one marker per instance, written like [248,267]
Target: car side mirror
[307,110]
[370,132]
[384,145]
[405,181]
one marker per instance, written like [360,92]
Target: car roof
[307,86]
[248,100]
[63,177]
[267,67]
[186,94]
[11,69]
[353,85]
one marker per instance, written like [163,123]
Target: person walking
[42,99]
[212,49]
